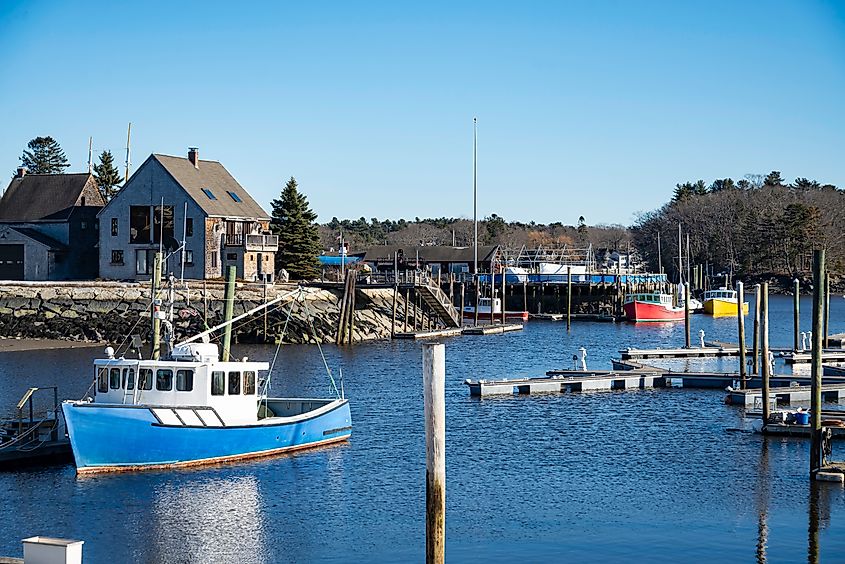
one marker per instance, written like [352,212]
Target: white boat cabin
[484,306]
[650,298]
[720,294]
[192,377]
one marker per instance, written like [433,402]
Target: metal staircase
[436,299]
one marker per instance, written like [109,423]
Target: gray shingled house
[48,227]
[171,199]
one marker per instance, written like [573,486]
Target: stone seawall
[111,311]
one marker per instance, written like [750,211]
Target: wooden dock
[493,329]
[803,431]
[806,357]
[566,381]
[432,334]
[785,395]
[692,352]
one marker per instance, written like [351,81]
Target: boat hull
[108,437]
[715,306]
[648,312]
[485,315]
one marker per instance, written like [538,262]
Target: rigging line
[278,347]
[319,347]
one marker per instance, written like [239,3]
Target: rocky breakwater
[112,311]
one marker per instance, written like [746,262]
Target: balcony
[261,243]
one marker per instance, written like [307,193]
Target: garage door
[11,262]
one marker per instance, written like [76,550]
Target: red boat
[651,307]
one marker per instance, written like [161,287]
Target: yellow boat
[722,302]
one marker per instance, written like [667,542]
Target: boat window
[249,383]
[114,378]
[129,378]
[102,379]
[184,380]
[145,379]
[234,383]
[218,384]
[164,380]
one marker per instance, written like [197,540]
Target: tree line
[756,225]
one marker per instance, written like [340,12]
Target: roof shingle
[47,196]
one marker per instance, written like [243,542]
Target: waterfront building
[195,212]
[48,227]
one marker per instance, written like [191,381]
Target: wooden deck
[692,352]
[493,329]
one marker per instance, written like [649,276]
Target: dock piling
[504,296]
[755,345]
[764,340]
[434,381]
[228,306]
[826,309]
[686,316]
[796,320]
[568,298]
[816,370]
[743,372]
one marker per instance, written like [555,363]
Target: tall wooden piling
[477,294]
[826,329]
[393,317]
[504,297]
[796,319]
[228,307]
[686,316]
[740,319]
[434,382]
[462,302]
[755,344]
[816,368]
[568,298]
[525,294]
[764,352]
[407,305]
[155,305]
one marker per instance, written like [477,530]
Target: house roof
[212,176]
[429,253]
[47,196]
[41,238]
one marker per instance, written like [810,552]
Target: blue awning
[328,260]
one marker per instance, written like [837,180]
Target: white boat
[188,408]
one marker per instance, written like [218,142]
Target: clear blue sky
[584,108]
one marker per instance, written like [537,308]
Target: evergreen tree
[43,155]
[299,240]
[774,179]
[108,178]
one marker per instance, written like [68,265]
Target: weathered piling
[504,297]
[475,280]
[755,345]
[764,340]
[462,303]
[154,308]
[434,381]
[393,317]
[796,320]
[816,369]
[228,306]
[568,298]
[740,318]
[826,308]
[686,316]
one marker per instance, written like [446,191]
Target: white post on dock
[434,383]
[740,319]
[764,340]
[816,368]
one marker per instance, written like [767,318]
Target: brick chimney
[21,172]
[194,156]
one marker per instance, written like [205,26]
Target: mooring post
[816,369]
[796,320]
[686,316]
[826,308]
[504,297]
[462,303]
[228,306]
[764,340]
[568,298]
[407,299]
[525,295]
[755,343]
[393,318]
[740,318]
[434,381]
[477,293]
[155,305]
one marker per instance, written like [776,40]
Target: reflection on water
[581,477]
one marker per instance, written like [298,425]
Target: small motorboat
[484,312]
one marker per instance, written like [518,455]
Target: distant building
[439,259]
[223,225]
[48,227]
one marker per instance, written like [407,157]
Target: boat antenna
[128,162]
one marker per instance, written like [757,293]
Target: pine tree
[43,155]
[299,240]
[108,178]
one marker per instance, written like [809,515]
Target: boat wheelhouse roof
[721,293]
[650,297]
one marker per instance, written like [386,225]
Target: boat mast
[689,262]
[475,194]
[680,257]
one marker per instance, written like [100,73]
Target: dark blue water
[640,475]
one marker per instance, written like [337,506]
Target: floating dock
[567,381]
[785,396]
[806,357]
[803,431]
[492,329]
[433,334]
[692,352]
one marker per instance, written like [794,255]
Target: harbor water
[658,475]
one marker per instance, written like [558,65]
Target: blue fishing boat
[190,408]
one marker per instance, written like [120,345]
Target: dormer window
[234,196]
[209,193]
